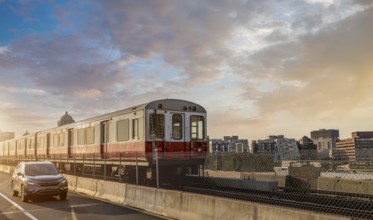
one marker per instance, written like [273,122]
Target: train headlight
[199,149]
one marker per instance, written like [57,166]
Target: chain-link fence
[340,185]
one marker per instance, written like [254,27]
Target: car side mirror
[19,174]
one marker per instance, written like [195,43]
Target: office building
[325,141]
[230,144]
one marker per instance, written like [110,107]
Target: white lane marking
[85,205]
[15,212]
[19,207]
[73,214]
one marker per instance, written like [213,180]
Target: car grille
[48,183]
[48,192]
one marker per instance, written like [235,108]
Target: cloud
[3,50]
[7,106]
[89,94]
[30,91]
[325,3]
[331,67]
[285,58]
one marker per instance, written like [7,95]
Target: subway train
[175,130]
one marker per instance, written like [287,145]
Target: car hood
[46,178]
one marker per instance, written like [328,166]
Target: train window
[123,130]
[55,140]
[61,140]
[30,143]
[38,144]
[157,125]
[81,136]
[20,144]
[177,127]
[90,135]
[137,129]
[197,127]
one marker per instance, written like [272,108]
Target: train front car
[175,135]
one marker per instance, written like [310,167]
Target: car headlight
[63,181]
[31,182]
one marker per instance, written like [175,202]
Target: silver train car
[175,129]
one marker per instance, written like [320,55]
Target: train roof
[167,104]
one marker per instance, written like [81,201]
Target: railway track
[339,204]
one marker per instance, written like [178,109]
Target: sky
[259,67]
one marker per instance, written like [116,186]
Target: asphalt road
[75,207]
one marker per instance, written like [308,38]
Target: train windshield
[197,125]
[157,125]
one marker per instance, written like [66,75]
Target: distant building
[229,144]
[282,148]
[6,135]
[345,149]
[307,149]
[65,119]
[325,141]
[358,147]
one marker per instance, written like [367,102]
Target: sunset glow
[258,67]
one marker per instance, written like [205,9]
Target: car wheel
[14,193]
[63,196]
[23,195]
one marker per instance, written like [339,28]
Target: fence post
[137,171]
[120,167]
[155,150]
[94,165]
[83,166]
[105,165]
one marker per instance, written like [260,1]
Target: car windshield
[40,169]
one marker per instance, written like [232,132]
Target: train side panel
[85,139]
[30,147]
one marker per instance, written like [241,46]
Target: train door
[104,136]
[69,141]
[177,143]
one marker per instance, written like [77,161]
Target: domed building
[65,119]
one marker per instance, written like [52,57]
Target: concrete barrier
[281,179]
[72,181]
[191,206]
[111,191]
[146,198]
[345,185]
[7,169]
[86,186]
[225,174]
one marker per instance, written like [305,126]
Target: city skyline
[258,67]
